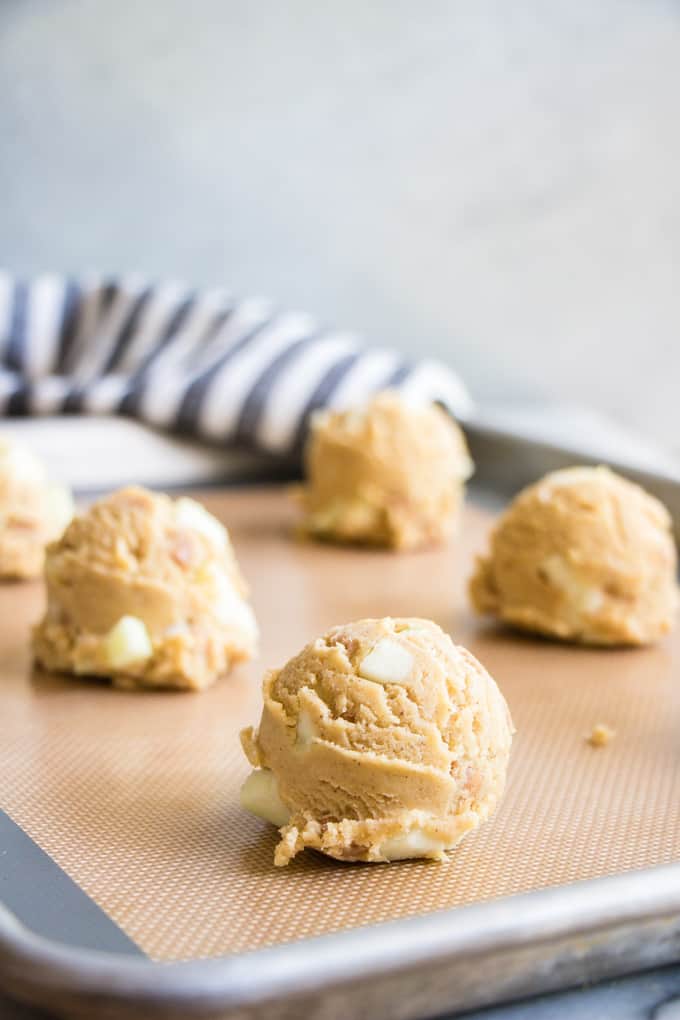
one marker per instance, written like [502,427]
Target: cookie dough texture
[33,511]
[390,474]
[381,740]
[145,590]
[583,555]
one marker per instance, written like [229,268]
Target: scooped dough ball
[582,555]
[33,511]
[381,740]
[145,590]
[390,474]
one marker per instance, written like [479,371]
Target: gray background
[494,182]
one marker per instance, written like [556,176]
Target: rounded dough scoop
[583,555]
[147,591]
[380,741]
[33,511]
[389,474]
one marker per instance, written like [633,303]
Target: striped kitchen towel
[200,362]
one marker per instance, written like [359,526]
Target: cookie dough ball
[582,555]
[33,511]
[145,590]
[390,474]
[380,741]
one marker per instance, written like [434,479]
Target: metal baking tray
[134,797]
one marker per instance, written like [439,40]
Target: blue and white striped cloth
[200,362]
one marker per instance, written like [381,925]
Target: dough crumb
[600,735]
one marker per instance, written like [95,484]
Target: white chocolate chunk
[414,843]
[230,609]
[355,512]
[306,730]
[466,468]
[260,796]
[190,514]
[585,598]
[61,507]
[127,642]
[387,663]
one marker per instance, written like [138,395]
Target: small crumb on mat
[601,735]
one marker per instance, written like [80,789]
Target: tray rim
[36,969]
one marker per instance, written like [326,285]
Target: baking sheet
[135,795]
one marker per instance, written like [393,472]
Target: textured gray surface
[654,996]
[498,183]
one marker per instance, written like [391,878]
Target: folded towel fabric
[200,362]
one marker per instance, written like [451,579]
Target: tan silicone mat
[135,795]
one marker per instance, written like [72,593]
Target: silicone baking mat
[135,795]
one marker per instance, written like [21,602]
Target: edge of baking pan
[421,966]
[506,460]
